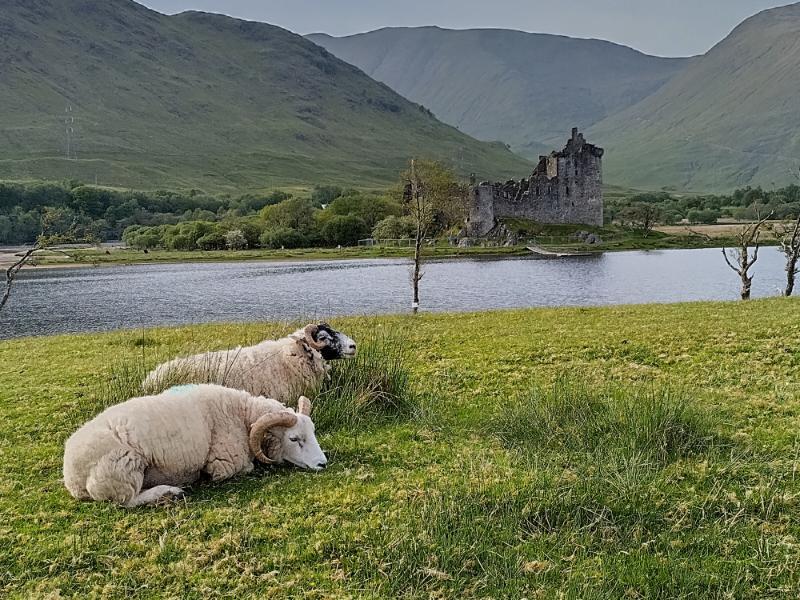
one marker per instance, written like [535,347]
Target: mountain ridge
[535,86]
[729,120]
[721,120]
[201,100]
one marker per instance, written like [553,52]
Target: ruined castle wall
[565,187]
[481,216]
[574,196]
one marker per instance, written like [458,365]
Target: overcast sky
[661,27]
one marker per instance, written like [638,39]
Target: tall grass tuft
[374,387]
[659,424]
[124,381]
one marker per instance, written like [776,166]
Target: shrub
[703,216]
[393,227]
[145,240]
[182,242]
[344,230]
[235,240]
[254,203]
[282,237]
[212,241]
[295,213]
[369,207]
[251,232]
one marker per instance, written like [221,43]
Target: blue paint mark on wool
[177,389]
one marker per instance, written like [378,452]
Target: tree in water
[434,200]
[45,241]
[789,239]
[739,258]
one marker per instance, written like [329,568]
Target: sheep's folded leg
[154,494]
[224,468]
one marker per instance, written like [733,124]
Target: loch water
[84,299]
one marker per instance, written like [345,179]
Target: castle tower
[481,217]
[566,187]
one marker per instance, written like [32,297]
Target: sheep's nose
[352,347]
[322,465]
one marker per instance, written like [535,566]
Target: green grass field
[628,452]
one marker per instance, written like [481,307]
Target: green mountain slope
[525,89]
[732,118]
[200,100]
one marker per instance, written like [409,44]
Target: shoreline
[93,257]
[6,260]
[180,258]
[615,240]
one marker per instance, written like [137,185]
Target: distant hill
[201,100]
[525,89]
[731,118]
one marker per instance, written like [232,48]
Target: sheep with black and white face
[145,449]
[282,369]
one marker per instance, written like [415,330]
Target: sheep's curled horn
[310,331]
[262,426]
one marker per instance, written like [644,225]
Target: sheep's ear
[304,406]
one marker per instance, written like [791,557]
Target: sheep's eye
[294,439]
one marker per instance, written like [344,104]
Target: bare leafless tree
[789,239]
[11,273]
[739,258]
[421,212]
[45,241]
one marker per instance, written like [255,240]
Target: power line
[69,133]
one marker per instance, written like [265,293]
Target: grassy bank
[639,452]
[556,237]
[128,256]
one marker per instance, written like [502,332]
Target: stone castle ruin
[565,187]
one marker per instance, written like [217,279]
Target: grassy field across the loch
[626,452]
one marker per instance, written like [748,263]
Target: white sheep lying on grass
[281,369]
[141,450]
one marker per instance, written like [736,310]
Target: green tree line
[745,204]
[291,223]
[327,216]
[192,220]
